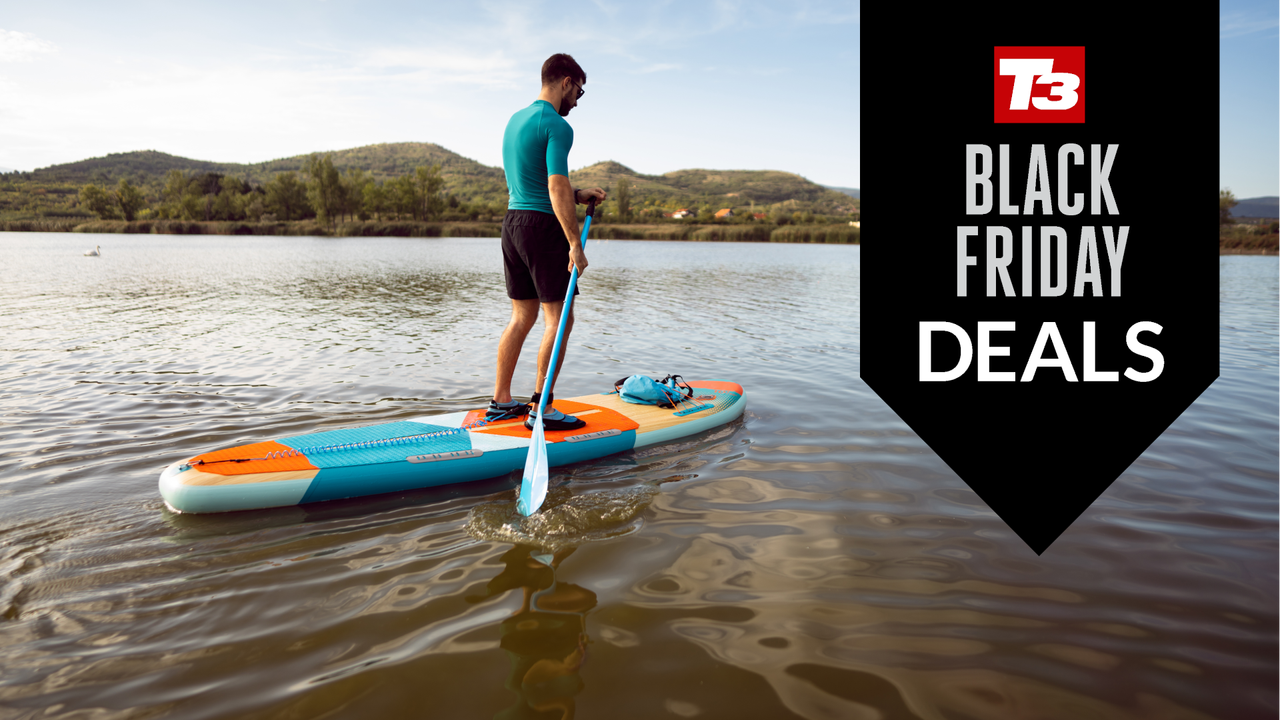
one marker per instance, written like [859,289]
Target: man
[540,235]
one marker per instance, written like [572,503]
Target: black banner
[1039,290]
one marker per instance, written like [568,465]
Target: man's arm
[562,203]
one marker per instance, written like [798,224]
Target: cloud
[1239,24]
[22,47]
[441,66]
[823,13]
[451,77]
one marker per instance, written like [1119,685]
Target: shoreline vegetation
[408,190]
[761,232]
[1249,239]
[1244,236]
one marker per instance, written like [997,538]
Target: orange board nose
[246,452]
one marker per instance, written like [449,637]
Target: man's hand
[582,196]
[577,257]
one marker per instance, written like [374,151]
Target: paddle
[533,487]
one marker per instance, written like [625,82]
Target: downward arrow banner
[1040,297]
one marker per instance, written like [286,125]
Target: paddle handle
[564,316]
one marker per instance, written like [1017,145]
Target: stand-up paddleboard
[429,451]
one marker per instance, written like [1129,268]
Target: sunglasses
[581,92]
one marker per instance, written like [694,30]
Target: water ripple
[814,559]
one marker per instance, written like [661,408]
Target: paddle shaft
[564,318]
[533,486]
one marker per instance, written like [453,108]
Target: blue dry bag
[641,390]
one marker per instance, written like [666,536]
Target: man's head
[562,75]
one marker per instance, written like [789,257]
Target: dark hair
[562,65]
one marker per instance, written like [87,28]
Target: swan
[95,252]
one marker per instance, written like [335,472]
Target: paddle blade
[533,487]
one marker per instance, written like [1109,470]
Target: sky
[670,85]
[725,84]
[1249,98]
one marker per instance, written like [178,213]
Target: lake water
[813,559]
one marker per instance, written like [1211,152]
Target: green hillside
[718,188]
[463,176]
[385,160]
[140,167]
[52,191]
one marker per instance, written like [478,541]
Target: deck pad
[597,416]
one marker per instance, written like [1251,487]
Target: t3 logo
[1039,85]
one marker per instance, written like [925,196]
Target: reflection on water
[546,638]
[813,559]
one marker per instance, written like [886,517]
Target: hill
[467,179]
[717,188]
[1259,207]
[851,192]
[141,167]
[463,176]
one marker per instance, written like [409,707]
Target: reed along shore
[755,232]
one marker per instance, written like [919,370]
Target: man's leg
[551,316]
[524,313]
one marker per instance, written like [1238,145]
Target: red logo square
[1039,84]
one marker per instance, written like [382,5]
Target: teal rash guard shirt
[535,145]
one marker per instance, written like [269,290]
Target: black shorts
[535,255]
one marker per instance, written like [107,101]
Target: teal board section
[358,480]
[361,446]
[723,399]
[336,482]
[564,453]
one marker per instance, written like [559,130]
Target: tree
[624,201]
[210,183]
[130,199]
[180,197]
[429,183]
[99,201]
[226,203]
[287,197]
[1226,201]
[375,199]
[402,196]
[325,189]
[353,186]
[255,206]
